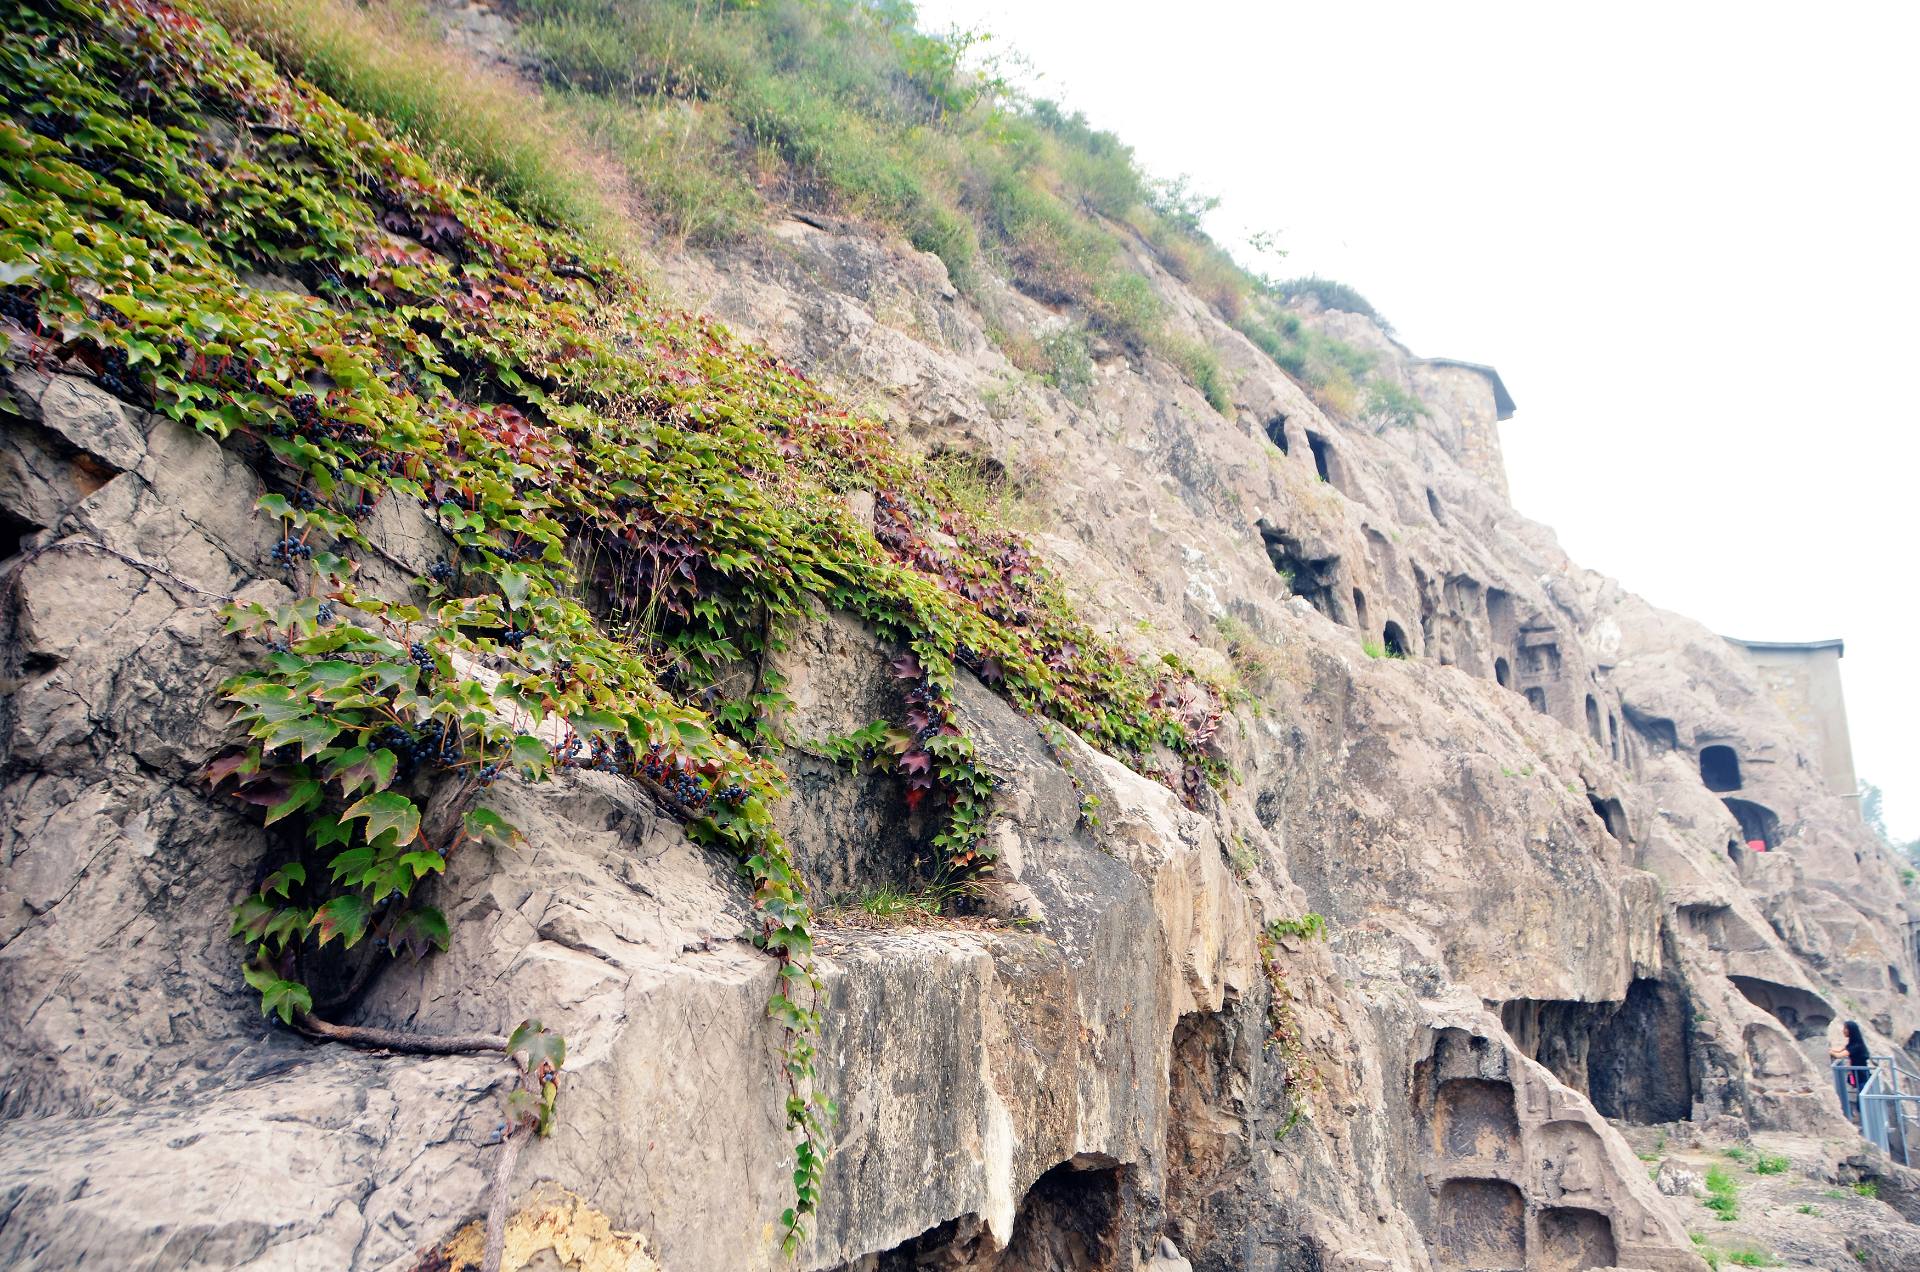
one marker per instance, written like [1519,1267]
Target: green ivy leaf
[313,734]
[420,930]
[345,917]
[303,794]
[387,811]
[423,863]
[535,1047]
[287,999]
[490,827]
[284,878]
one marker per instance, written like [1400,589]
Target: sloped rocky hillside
[927,814]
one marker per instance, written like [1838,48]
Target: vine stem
[397,1039]
[497,1203]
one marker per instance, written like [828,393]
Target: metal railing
[1882,1104]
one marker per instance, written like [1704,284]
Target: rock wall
[1540,916]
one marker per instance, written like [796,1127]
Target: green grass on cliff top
[711,113]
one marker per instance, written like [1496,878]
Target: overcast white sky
[1685,233]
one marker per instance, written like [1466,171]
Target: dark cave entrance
[1394,640]
[1593,719]
[1073,1219]
[1720,768]
[1537,698]
[1360,609]
[1758,824]
[1277,432]
[1311,577]
[1325,461]
[1503,673]
[1613,734]
[1633,1058]
[1612,814]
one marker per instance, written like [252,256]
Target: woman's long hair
[1854,1037]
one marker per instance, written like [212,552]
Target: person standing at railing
[1850,1061]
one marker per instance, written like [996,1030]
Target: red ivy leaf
[223,768]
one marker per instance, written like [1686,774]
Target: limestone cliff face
[1539,917]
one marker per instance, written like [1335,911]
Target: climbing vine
[1301,1072]
[632,503]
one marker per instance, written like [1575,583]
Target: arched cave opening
[1360,609]
[1632,1058]
[1394,640]
[1759,827]
[1613,734]
[1593,719]
[1433,506]
[1277,432]
[1503,673]
[1075,1218]
[1537,698]
[1720,768]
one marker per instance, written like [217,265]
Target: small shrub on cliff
[1069,364]
[1331,295]
[1770,1164]
[1311,926]
[1723,1194]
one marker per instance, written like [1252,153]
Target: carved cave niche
[1657,732]
[1720,768]
[1805,1015]
[1758,823]
[1480,1225]
[1474,1118]
[1314,578]
[1633,1058]
[1540,658]
[1574,1238]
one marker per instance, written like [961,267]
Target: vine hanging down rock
[631,500]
